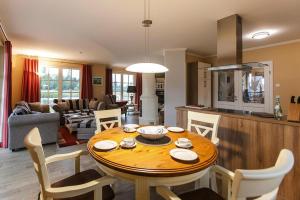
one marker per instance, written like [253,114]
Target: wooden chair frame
[104,114]
[205,118]
[243,184]
[33,143]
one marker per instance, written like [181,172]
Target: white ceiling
[110,31]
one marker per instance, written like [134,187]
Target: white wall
[175,83]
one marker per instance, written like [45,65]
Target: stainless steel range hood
[229,46]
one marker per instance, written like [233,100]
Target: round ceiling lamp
[260,35]
[147,66]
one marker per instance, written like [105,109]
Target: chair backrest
[34,145]
[113,116]
[109,99]
[253,183]
[204,129]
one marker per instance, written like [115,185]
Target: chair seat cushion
[81,178]
[203,193]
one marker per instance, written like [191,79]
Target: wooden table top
[149,160]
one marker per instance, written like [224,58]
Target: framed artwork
[97,80]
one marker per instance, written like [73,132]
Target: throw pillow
[20,110]
[63,106]
[25,106]
[93,104]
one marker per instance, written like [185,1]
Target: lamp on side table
[131,90]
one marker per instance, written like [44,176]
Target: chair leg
[203,181]
[98,193]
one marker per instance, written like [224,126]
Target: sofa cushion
[93,104]
[38,107]
[63,105]
[85,104]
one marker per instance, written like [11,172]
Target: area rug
[65,138]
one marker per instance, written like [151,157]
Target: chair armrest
[65,156]
[224,172]
[76,190]
[166,193]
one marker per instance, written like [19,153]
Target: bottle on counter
[277,109]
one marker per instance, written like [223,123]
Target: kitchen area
[256,123]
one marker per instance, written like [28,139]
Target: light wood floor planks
[18,180]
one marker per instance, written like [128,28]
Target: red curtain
[108,81]
[139,89]
[6,102]
[31,81]
[87,87]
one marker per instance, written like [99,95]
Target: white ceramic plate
[175,129]
[105,145]
[122,144]
[183,146]
[135,126]
[130,130]
[183,154]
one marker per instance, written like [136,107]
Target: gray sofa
[20,124]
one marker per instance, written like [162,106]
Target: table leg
[142,189]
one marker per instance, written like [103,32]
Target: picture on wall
[97,80]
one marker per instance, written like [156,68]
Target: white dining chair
[203,129]
[113,116]
[262,184]
[87,184]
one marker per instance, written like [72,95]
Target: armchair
[111,103]
[262,184]
[83,185]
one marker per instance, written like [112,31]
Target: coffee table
[82,123]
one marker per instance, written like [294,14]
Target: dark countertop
[264,117]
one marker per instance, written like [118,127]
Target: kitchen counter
[248,141]
[256,116]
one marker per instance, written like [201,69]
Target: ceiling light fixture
[147,66]
[260,35]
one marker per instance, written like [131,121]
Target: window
[250,90]
[120,82]
[71,84]
[59,83]
[49,84]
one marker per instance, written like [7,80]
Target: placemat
[160,142]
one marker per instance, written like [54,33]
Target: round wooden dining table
[149,165]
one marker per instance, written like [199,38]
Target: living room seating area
[25,116]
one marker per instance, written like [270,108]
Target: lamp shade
[146,68]
[131,89]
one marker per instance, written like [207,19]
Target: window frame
[122,85]
[238,103]
[60,81]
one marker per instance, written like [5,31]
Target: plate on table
[183,154]
[105,145]
[135,126]
[129,130]
[175,129]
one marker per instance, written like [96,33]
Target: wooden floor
[18,180]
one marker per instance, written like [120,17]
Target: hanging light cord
[147,23]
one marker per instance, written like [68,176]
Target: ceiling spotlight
[260,35]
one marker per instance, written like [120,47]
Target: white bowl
[152,132]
